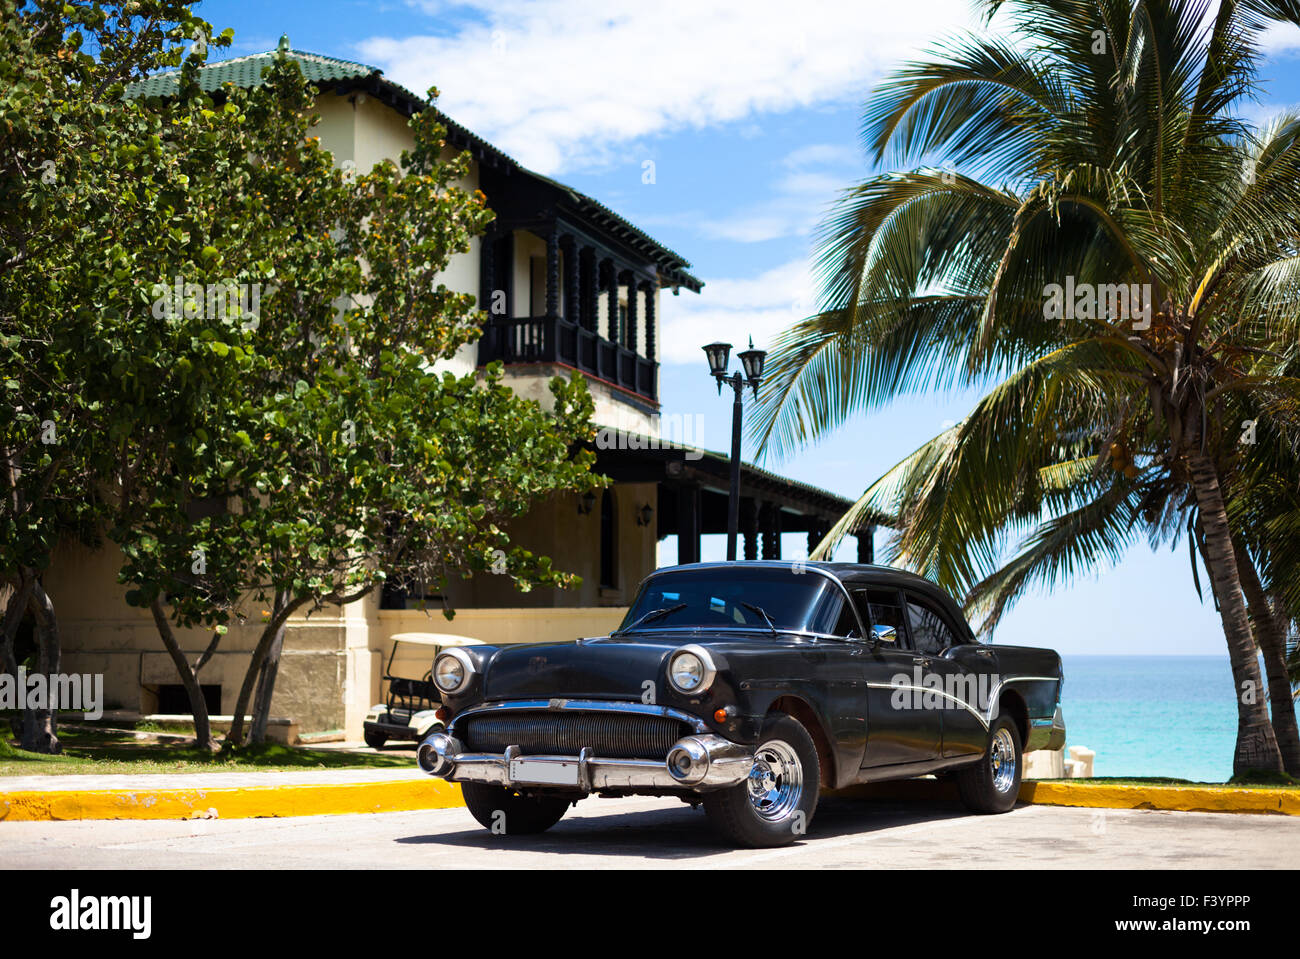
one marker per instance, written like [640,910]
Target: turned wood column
[611,334]
[749,527]
[572,280]
[590,283]
[553,273]
[632,298]
[650,290]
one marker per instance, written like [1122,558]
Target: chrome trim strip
[725,764]
[938,692]
[584,705]
[985,717]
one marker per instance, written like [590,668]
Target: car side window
[930,634]
[846,624]
[883,610]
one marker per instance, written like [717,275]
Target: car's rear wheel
[774,806]
[992,784]
[375,740]
[507,812]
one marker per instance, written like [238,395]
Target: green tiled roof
[322,70]
[247,72]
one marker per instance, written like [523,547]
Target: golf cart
[411,712]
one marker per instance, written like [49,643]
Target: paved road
[659,833]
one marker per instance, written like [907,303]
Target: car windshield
[732,597]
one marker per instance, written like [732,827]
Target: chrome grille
[610,735]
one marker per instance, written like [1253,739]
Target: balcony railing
[542,339]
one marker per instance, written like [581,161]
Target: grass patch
[93,753]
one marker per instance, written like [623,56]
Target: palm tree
[1117,258]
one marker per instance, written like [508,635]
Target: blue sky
[748,118]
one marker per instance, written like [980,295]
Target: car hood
[600,668]
[607,667]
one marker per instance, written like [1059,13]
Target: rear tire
[375,740]
[992,784]
[775,805]
[506,812]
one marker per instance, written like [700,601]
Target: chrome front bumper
[695,763]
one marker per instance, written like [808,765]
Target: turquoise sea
[1152,715]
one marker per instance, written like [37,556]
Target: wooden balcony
[549,339]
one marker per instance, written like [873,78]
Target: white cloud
[812,177]
[732,310]
[557,83]
[1280,38]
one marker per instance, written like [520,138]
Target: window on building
[173,700]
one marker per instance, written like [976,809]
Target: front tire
[375,740]
[992,784]
[504,811]
[775,805]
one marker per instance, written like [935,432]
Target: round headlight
[451,671]
[690,670]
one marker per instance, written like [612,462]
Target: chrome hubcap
[776,781]
[1002,759]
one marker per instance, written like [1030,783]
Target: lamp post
[752,362]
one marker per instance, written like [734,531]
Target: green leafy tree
[72,158]
[1117,257]
[300,457]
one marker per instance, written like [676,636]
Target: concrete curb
[300,799]
[1285,802]
[1229,799]
[229,803]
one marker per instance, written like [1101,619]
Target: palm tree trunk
[1256,745]
[1270,634]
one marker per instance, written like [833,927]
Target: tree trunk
[198,706]
[266,683]
[15,610]
[279,612]
[1270,634]
[1257,747]
[40,726]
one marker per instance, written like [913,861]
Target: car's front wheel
[993,784]
[375,740]
[507,812]
[774,806]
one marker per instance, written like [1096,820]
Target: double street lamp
[752,361]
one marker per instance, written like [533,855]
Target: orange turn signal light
[720,716]
[442,713]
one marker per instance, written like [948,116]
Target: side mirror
[884,634]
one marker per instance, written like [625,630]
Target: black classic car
[747,687]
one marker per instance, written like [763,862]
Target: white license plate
[544,772]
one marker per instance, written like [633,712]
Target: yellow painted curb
[229,803]
[1179,798]
[1093,795]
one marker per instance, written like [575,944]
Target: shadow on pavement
[685,833]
